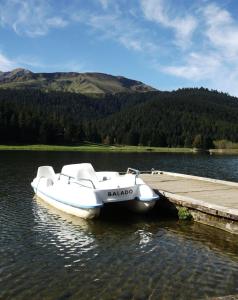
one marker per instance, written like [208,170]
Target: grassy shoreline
[224,151]
[93,148]
[109,148]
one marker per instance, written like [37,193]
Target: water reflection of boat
[122,257]
[80,191]
[45,211]
[65,231]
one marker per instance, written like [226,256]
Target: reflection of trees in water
[62,229]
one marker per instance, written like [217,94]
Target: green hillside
[86,83]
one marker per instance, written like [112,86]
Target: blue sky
[168,44]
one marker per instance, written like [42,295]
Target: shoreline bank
[94,148]
[106,148]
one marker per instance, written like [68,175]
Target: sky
[168,44]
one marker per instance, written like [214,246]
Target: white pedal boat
[80,191]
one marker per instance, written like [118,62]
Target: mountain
[85,83]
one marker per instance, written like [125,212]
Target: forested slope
[175,118]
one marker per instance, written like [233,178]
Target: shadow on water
[116,216]
[141,256]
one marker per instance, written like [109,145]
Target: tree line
[182,118]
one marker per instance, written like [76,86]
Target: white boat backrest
[80,171]
[46,171]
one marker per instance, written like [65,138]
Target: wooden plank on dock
[210,196]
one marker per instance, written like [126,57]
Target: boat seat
[87,171]
[46,171]
[81,171]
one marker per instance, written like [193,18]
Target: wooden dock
[210,201]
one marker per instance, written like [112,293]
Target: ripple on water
[45,254]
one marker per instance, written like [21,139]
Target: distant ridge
[86,83]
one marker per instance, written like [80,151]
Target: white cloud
[206,33]
[112,26]
[6,64]
[198,66]
[35,18]
[29,17]
[56,22]
[184,26]
[104,3]
[213,60]
[29,62]
[208,69]
[221,30]
[130,43]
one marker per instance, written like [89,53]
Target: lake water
[45,254]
